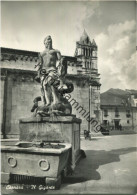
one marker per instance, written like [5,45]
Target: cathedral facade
[19,88]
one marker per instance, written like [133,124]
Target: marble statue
[52,69]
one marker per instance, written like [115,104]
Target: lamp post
[131,108]
[90,91]
[132,118]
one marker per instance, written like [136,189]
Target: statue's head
[48,42]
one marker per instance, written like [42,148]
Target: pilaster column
[3,103]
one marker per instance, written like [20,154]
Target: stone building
[19,88]
[118,108]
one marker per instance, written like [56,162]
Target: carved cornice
[22,55]
[14,55]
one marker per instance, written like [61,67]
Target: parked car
[104,130]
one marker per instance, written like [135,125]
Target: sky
[112,24]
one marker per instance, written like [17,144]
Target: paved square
[110,167]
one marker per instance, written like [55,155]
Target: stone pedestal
[64,129]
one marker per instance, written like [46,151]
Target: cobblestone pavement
[110,167]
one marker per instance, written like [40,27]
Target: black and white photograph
[68,97]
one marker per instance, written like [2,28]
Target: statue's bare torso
[50,58]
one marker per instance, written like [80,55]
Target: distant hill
[116,96]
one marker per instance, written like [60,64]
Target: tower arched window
[87,40]
[84,51]
[85,64]
[90,64]
[87,52]
[91,52]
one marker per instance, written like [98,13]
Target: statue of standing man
[51,73]
[49,66]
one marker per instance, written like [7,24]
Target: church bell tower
[86,52]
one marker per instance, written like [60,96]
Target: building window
[105,113]
[116,112]
[128,121]
[128,114]
[105,122]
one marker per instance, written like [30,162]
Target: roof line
[12,50]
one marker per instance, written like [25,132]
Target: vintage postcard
[68,97]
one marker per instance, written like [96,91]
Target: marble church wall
[21,89]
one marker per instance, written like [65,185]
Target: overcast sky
[111,24]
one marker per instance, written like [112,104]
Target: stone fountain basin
[45,144]
[33,161]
